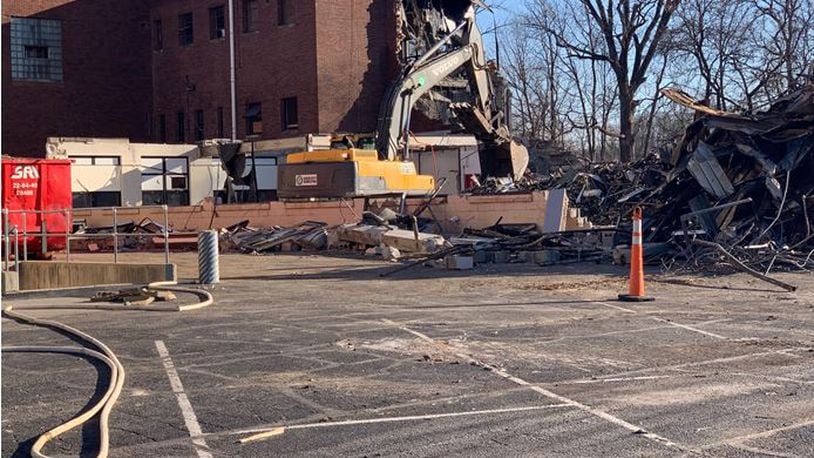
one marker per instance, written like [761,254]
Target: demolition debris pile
[736,188]
[310,235]
[740,186]
[600,190]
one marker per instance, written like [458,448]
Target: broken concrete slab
[413,242]
[556,212]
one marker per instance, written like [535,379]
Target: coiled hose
[100,352]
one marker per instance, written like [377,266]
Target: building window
[266,172]
[158,35]
[36,49]
[250,15]
[164,181]
[217,23]
[186,34]
[289,113]
[96,160]
[162,128]
[180,128]
[284,12]
[220,122]
[199,125]
[254,119]
[97,199]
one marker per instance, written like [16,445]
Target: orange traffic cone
[636,290]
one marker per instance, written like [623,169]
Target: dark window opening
[289,115]
[97,199]
[199,125]
[96,160]
[36,52]
[284,12]
[250,15]
[162,128]
[186,33]
[220,122]
[254,119]
[158,35]
[217,23]
[180,128]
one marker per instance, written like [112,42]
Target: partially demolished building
[302,67]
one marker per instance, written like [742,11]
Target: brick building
[159,70]
[74,67]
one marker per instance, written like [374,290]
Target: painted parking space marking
[551,395]
[190,419]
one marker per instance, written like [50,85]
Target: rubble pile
[310,236]
[735,187]
[742,182]
[600,190]
[387,239]
[144,235]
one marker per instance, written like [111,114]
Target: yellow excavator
[356,172]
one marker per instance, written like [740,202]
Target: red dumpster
[37,197]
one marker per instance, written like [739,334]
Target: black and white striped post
[208,269]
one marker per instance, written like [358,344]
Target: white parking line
[550,394]
[369,421]
[662,320]
[617,307]
[190,420]
[617,379]
[688,328]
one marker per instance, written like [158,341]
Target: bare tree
[787,24]
[587,73]
[631,31]
[716,35]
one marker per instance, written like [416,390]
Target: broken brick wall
[356,58]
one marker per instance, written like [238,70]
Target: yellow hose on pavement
[104,354]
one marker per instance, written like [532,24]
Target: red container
[37,191]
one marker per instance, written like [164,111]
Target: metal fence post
[166,235]
[16,249]
[5,238]
[115,237]
[25,236]
[68,230]
[43,236]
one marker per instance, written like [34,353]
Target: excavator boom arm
[427,72]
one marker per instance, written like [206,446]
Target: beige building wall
[205,173]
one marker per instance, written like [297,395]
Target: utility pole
[232,69]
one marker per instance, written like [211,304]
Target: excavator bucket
[503,159]
[519,157]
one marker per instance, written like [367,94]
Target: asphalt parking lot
[515,361]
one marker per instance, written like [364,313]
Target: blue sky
[504,11]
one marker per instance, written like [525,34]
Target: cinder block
[484,257]
[459,262]
[526,256]
[546,256]
[501,257]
